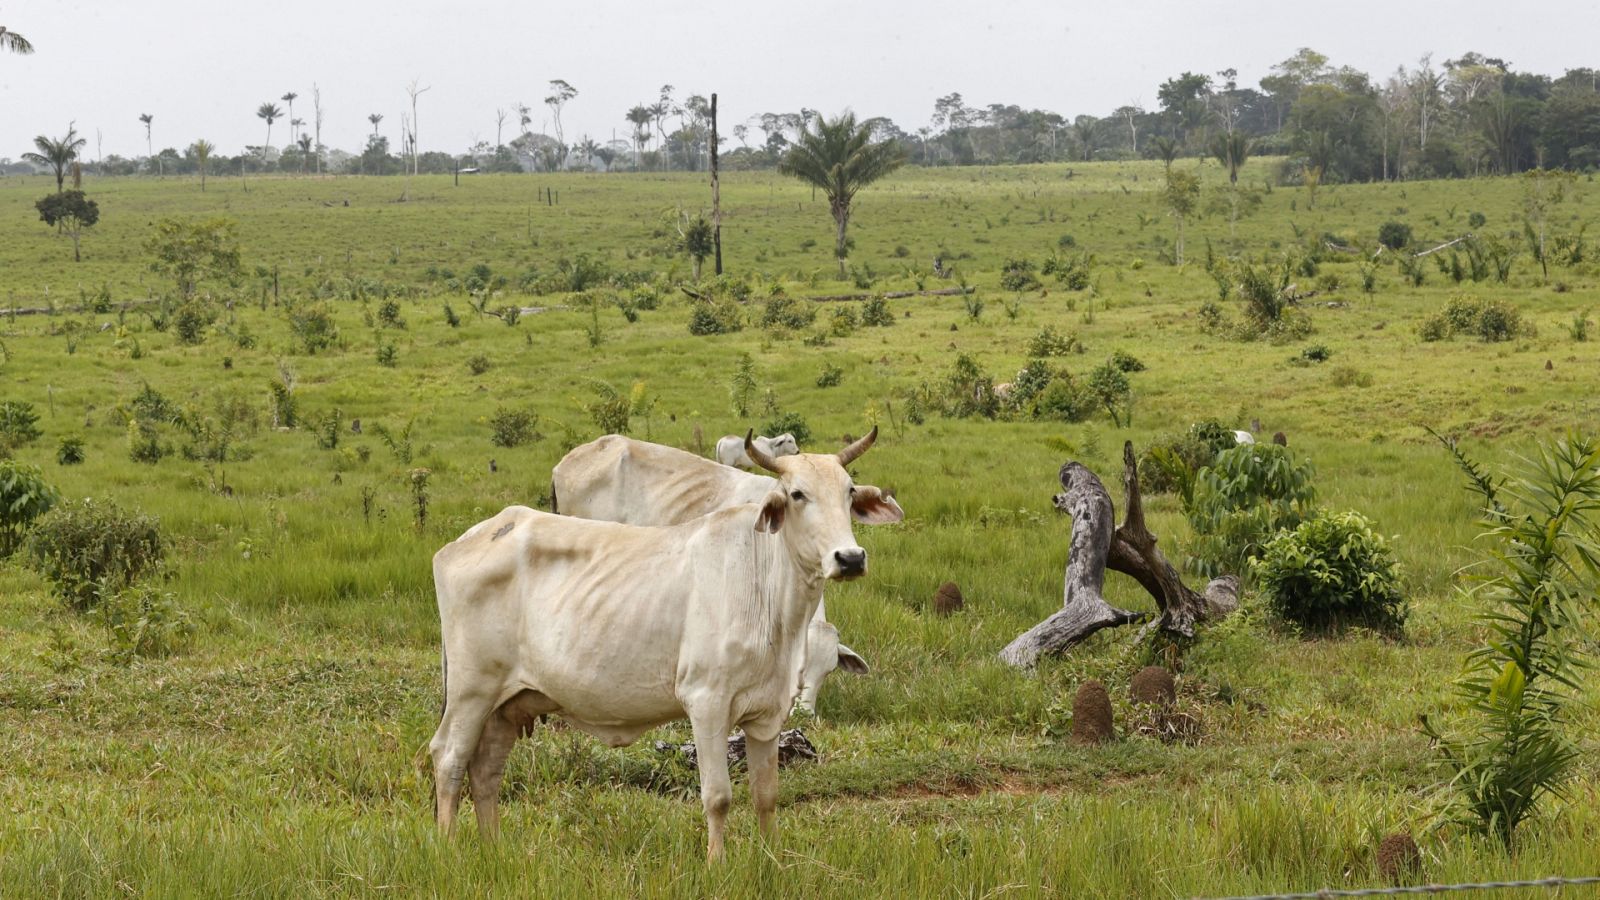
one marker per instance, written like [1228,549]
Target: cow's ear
[871,506]
[770,518]
[851,661]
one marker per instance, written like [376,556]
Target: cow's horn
[756,455]
[848,455]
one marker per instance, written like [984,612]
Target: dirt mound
[1398,857]
[1091,714]
[947,599]
[1154,685]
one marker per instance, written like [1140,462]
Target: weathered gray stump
[1130,549]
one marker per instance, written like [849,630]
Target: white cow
[730,449]
[619,479]
[620,628]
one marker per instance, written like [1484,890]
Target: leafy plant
[789,423]
[1330,572]
[1048,342]
[742,388]
[144,622]
[1394,235]
[1514,750]
[24,497]
[513,427]
[830,376]
[19,424]
[1240,501]
[399,443]
[875,313]
[70,451]
[90,550]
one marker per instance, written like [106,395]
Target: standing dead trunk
[1129,548]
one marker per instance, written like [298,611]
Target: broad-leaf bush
[1250,493]
[24,497]
[1331,572]
[91,549]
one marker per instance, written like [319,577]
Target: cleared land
[278,753]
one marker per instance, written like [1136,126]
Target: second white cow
[730,449]
[619,479]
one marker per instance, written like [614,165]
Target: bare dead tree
[316,121]
[1129,548]
[414,91]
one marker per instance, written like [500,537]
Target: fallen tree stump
[1129,548]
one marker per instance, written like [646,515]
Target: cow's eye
[797,495]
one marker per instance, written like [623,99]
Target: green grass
[278,753]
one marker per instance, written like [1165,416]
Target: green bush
[968,391]
[1048,342]
[842,323]
[1331,572]
[513,427]
[875,313]
[789,423]
[144,622]
[1066,399]
[1017,275]
[90,550]
[1240,501]
[19,424]
[70,451]
[830,376]
[313,326]
[1394,235]
[24,497]
[715,317]
[783,311]
[1491,321]
[1170,465]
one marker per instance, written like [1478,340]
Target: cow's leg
[716,791]
[761,756]
[486,768]
[452,747]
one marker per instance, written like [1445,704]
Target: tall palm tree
[1163,147]
[289,98]
[57,154]
[1231,148]
[840,158]
[305,151]
[149,148]
[202,150]
[271,113]
[16,43]
[640,118]
[375,118]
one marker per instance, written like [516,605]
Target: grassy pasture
[277,755]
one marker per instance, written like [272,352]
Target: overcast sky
[202,67]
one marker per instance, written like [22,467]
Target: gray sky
[202,68]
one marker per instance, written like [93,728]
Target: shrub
[513,427]
[1489,320]
[479,364]
[328,429]
[830,376]
[1050,343]
[191,321]
[875,313]
[1170,465]
[144,622]
[1262,291]
[1394,235]
[1017,275]
[1316,353]
[1126,362]
[70,451]
[1477,220]
[1332,571]
[715,317]
[144,442]
[1248,494]
[842,323]
[313,326]
[389,314]
[19,424]
[1071,271]
[968,391]
[24,497]
[90,550]
[388,356]
[1109,386]
[1066,399]
[783,311]
[789,423]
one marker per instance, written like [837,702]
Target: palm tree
[271,113]
[1164,147]
[1231,148]
[639,117]
[840,158]
[305,151]
[16,43]
[202,150]
[289,98]
[375,118]
[149,148]
[57,154]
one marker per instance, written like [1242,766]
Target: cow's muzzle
[851,563]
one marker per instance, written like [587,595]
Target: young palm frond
[839,158]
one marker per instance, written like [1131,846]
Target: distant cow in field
[619,479]
[730,449]
[620,628]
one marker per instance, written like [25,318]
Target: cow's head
[815,504]
[783,445]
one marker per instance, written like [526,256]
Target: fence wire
[1552,882]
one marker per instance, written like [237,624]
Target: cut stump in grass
[1094,546]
